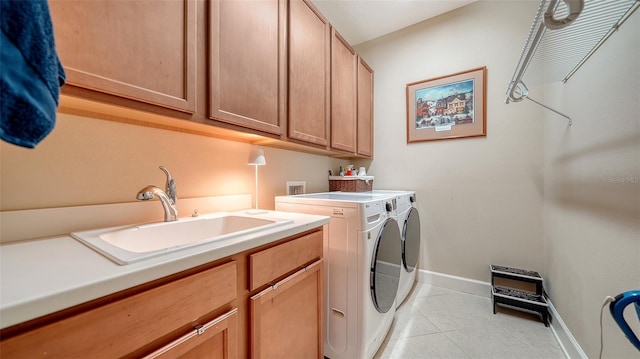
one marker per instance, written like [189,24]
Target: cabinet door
[365,109]
[139,50]
[248,63]
[343,94]
[287,318]
[309,61]
[214,340]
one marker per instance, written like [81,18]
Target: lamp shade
[256,157]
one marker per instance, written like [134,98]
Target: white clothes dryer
[362,268]
[409,223]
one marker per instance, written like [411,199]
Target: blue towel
[30,72]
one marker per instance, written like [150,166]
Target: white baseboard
[567,341]
[466,285]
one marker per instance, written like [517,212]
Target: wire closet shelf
[563,36]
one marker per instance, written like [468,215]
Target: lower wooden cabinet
[262,302]
[286,318]
[123,327]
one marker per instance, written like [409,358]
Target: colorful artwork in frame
[446,107]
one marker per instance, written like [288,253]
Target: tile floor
[435,322]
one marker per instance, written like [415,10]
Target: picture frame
[446,107]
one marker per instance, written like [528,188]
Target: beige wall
[89,161]
[592,190]
[480,199]
[534,193]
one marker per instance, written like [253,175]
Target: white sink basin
[126,245]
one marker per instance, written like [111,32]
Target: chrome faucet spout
[170,186]
[168,199]
[151,192]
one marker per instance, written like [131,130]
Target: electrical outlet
[296,187]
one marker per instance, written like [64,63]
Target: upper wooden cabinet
[344,67]
[139,50]
[365,109]
[247,65]
[255,70]
[351,100]
[309,74]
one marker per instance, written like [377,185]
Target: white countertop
[39,277]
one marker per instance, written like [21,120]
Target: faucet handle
[170,186]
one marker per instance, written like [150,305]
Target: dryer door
[411,240]
[385,266]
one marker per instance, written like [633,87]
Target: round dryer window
[385,266]
[411,240]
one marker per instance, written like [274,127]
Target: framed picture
[445,107]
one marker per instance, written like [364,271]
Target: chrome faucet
[168,198]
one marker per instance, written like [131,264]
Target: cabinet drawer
[125,325]
[270,264]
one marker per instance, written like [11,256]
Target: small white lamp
[256,158]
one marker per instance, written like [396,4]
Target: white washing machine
[409,223]
[363,262]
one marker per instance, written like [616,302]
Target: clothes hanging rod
[606,37]
[550,109]
[533,40]
[543,21]
[558,49]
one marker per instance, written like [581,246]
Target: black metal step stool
[519,298]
